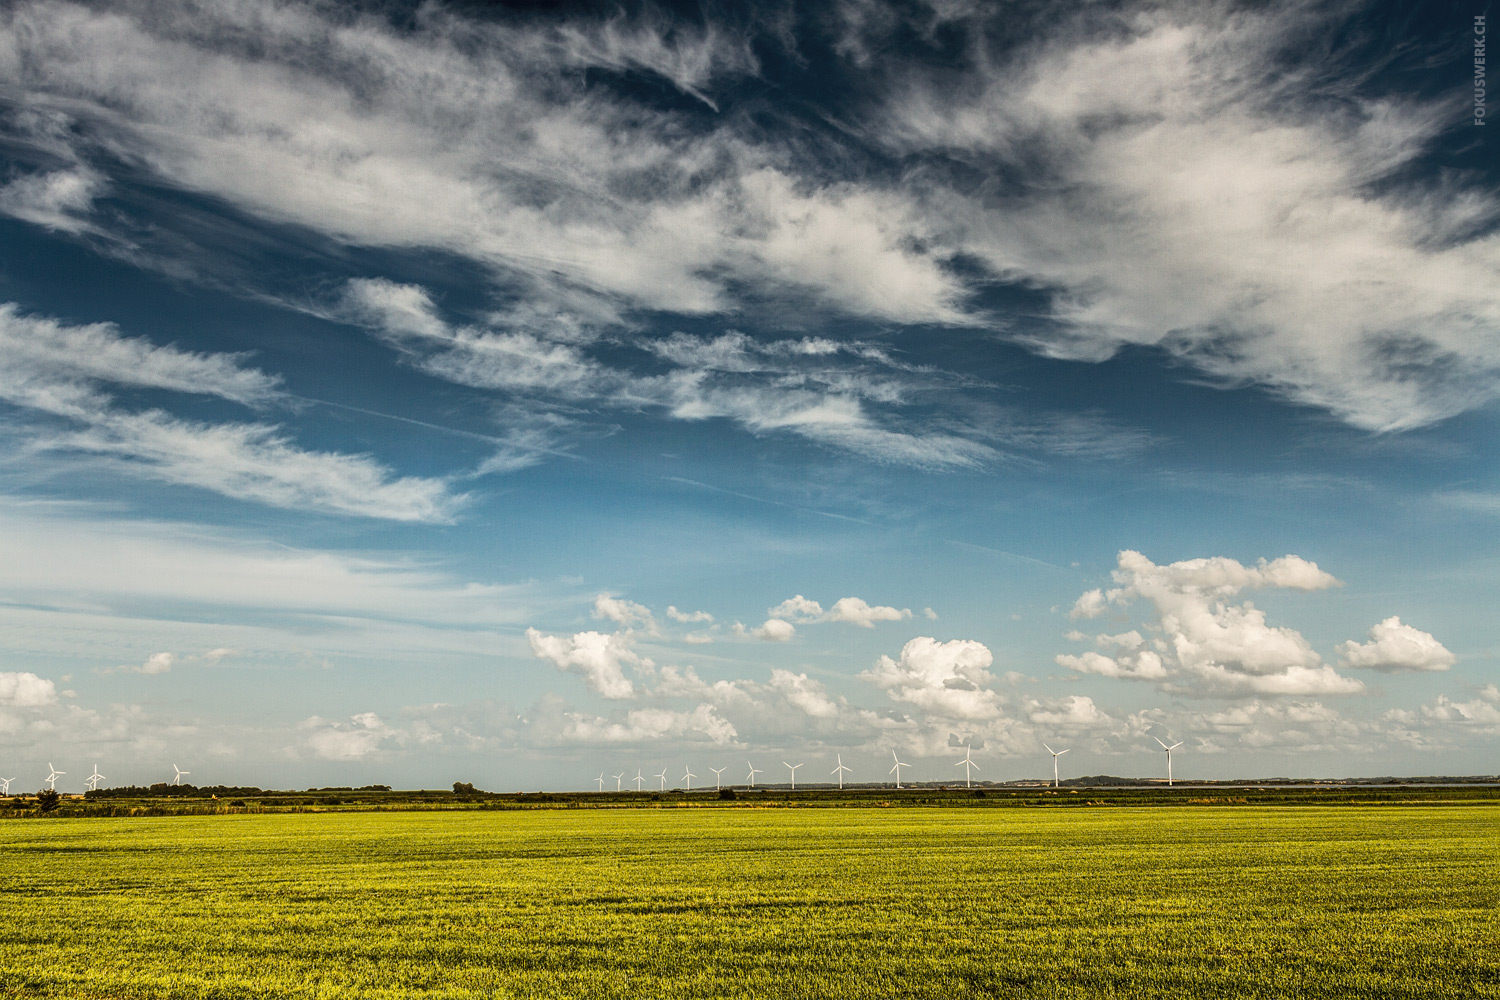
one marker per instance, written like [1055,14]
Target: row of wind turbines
[968,763]
[92,780]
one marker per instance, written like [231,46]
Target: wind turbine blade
[1050,750]
[1163,745]
[1061,752]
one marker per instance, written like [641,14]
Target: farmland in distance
[1325,901]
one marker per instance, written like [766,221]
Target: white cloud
[854,610]
[1202,644]
[363,735]
[803,694]
[1204,198]
[688,617]
[947,679]
[857,612]
[156,663]
[1483,710]
[627,613]
[37,349]
[797,609]
[22,689]
[258,463]
[600,658]
[54,369]
[1395,647]
[1072,711]
[645,725]
[772,630]
[57,200]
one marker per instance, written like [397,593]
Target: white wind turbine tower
[662,775]
[717,771]
[53,776]
[840,771]
[899,765]
[967,763]
[1169,750]
[601,781]
[180,772]
[753,773]
[5,785]
[638,779]
[1055,754]
[794,774]
[688,776]
[93,780]
[618,778]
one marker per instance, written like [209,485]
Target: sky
[530,394]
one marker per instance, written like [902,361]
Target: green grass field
[1328,901]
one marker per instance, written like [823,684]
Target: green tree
[48,799]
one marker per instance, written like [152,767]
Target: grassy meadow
[1244,901]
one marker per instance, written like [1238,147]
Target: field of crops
[1328,901]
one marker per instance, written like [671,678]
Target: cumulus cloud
[805,695]
[23,689]
[688,617]
[362,736]
[772,630]
[1201,643]
[1395,647]
[1483,710]
[853,610]
[645,725]
[598,657]
[627,613]
[947,679]
[1072,711]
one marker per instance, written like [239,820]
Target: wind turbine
[1169,750]
[180,772]
[601,781]
[93,780]
[5,785]
[717,771]
[753,773]
[840,771]
[967,763]
[899,765]
[638,779]
[688,776]
[617,780]
[794,774]
[663,777]
[52,778]
[1055,754]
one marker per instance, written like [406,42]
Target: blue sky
[460,392]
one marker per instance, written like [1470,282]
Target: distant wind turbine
[1055,754]
[617,780]
[601,781]
[899,765]
[5,785]
[638,779]
[717,771]
[663,776]
[753,773]
[688,776]
[93,780]
[1169,750]
[52,777]
[967,763]
[794,774]
[180,772]
[840,771]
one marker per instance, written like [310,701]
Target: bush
[727,793]
[48,799]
